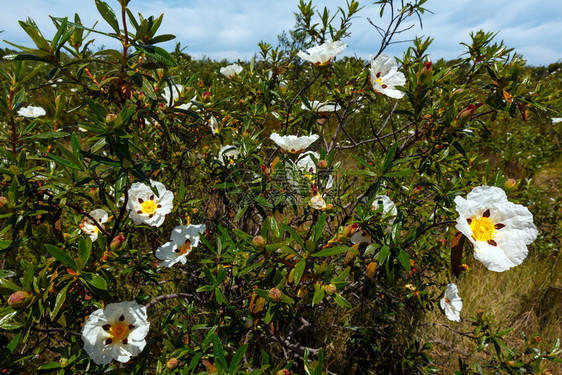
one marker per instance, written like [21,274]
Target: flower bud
[466,114]
[283,372]
[258,242]
[3,204]
[206,96]
[110,118]
[275,295]
[330,289]
[417,189]
[19,299]
[172,363]
[322,164]
[426,72]
[510,183]
[195,211]
[117,242]
[350,230]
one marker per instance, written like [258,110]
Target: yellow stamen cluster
[483,229]
[119,331]
[148,207]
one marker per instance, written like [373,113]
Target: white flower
[31,111]
[451,303]
[556,120]
[213,124]
[231,70]
[385,75]
[322,107]
[292,143]
[388,209]
[183,240]
[172,94]
[305,165]
[317,202]
[116,332]
[89,227]
[146,207]
[388,206]
[499,230]
[227,154]
[322,54]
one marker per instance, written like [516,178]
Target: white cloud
[231,29]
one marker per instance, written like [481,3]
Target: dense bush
[290,214]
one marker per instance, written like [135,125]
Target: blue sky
[231,29]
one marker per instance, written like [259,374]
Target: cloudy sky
[231,29]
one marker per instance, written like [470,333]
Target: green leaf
[404,259]
[61,297]
[389,158]
[94,280]
[233,369]
[299,270]
[61,256]
[9,349]
[318,294]
[218,351]
[84,249]
[331,251]
[27,282]
[158,54]
[383,254]
[47,135]
[341,301]
[108,15]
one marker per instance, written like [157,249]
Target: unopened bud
[330,289]
[3,204]
[322,164]
[19,299]
[350,230]
[426,72]
[466,114]
[206,96]
[110,118]
[195,211]
[283,372]
[275,295]
[417,189]
[117,242]
[172,363]
[510,183]
[265,170]
[258,242]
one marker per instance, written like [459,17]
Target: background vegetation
[306,299]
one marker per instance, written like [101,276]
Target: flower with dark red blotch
[385,76]
[116,332]
[499,230]
[451,303]
[183,240]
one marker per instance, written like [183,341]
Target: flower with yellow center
[322,54]
[116,332]
[451,303]
[228,154]
[146,207]
[499,230]
[182,241]
[292,143]
[88,227]
[385,76]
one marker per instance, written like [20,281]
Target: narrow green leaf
[84,249]
[94,280]
[331,251]
[61,297]
[108,15]
[61,256]
[299,270]
[404,259]
[389,158]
